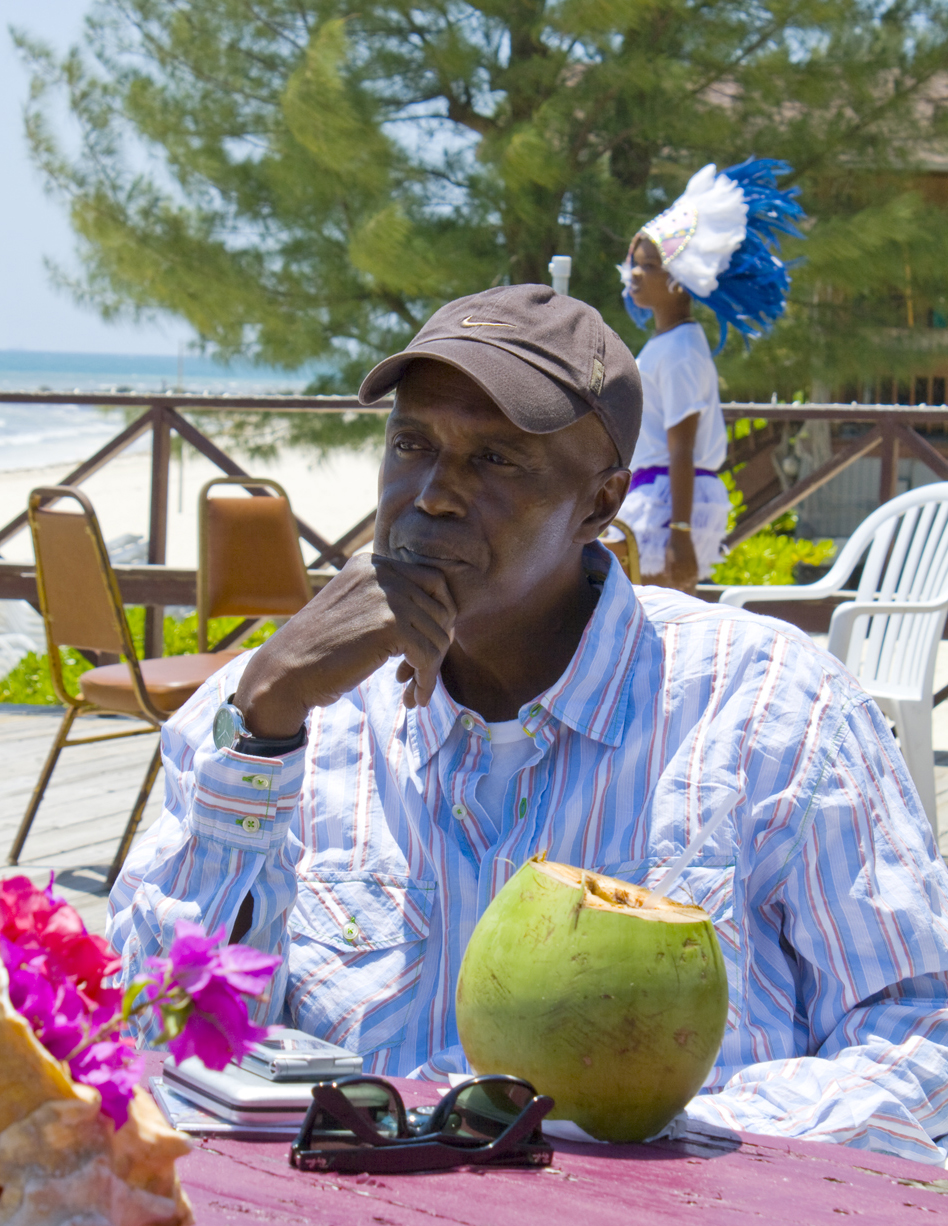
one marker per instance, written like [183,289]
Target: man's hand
[375,608]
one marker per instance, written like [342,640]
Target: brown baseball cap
[545,359]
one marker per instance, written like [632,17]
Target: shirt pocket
[358,950]
[707,884]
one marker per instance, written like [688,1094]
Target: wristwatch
[230,732]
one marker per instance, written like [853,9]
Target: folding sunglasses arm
[518,1134]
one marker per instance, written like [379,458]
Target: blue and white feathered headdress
[718,242]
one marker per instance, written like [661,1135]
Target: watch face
[228,726]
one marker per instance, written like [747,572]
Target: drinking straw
[725,805]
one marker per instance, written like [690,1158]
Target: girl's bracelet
[680,525]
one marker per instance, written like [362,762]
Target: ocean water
[32,436]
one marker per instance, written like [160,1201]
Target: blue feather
[752,291]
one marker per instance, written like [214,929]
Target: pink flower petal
[203,1039]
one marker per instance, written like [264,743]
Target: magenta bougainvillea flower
[58,972]
[112,1067]
[217,1027]
[46,926]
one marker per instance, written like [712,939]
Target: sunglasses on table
[359,1124]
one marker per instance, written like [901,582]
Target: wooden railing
[888,429]
[884,428]
[157,585]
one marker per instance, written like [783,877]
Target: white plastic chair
[888,635]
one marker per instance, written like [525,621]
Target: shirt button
[536,709]
[260,782]
[351,930]
[459,811]
[251,824]
[467,722]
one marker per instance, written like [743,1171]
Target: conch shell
[61,1160]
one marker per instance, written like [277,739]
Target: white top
[678,379]
[510,748]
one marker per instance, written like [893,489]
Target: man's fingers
[426,578]
[424,649]
[424,644]
[420,683]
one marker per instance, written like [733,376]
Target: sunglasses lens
[484,1110]
[376,1103]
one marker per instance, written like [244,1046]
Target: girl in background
[717,244]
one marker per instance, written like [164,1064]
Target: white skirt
[647,511]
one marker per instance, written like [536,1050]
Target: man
[488,685]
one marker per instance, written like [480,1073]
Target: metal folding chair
[249,559]
[82,608]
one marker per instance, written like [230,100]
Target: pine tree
[309,179]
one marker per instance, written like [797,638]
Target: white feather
[700,232]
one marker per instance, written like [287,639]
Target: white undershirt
[510,749]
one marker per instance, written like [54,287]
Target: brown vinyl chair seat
[169,680]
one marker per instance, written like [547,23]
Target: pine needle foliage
[308,180]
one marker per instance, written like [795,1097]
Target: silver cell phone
[291,1055]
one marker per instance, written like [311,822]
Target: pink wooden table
[718,1182]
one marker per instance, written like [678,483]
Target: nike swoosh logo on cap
[483,323]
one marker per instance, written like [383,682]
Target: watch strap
[254,746]
[261,747]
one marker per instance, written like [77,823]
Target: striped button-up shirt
[369,859]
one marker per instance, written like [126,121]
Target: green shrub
[770,555]
[30,681]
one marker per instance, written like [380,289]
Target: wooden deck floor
[92,792]
[85,807]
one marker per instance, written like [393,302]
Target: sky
[34,315]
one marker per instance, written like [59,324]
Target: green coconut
[613,1008]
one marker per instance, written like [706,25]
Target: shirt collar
[591,696]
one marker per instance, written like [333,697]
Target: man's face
[463,489]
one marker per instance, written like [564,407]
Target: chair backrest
[250,563]
[906,560]
[78,593]
[626,550]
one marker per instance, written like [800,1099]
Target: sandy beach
[330,496]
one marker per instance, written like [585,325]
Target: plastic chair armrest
[739,596]
[844,615]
